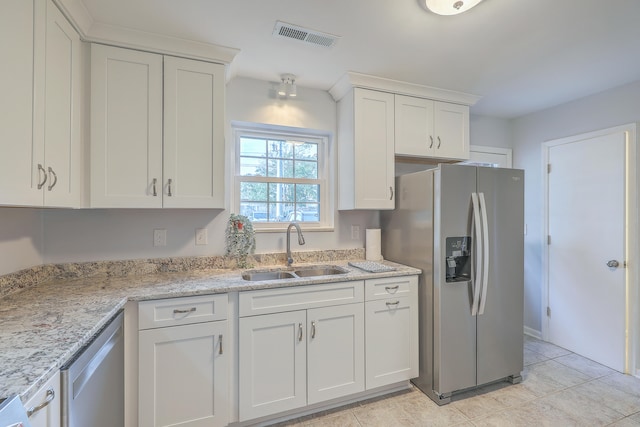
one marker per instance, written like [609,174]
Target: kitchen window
[281,176]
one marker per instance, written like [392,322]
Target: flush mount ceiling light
[448,7]
[288,86]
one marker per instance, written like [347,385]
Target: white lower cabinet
[291,359]
[44,406]
[183,369]
[391,318]
[273,358]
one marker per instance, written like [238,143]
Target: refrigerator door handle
[485,253]
[477,280]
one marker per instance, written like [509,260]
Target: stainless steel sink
[308,271]
[323,270]
[255,276]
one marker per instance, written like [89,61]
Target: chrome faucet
[300,241]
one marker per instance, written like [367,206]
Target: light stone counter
[43,325]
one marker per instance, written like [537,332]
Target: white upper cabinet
[193,134]
[426,128]
[126,128]
[366,150]
[40,106]
[139,160]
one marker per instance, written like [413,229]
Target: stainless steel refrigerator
[464,227]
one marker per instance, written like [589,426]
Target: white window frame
[258,130]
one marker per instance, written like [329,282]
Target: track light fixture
[287,86]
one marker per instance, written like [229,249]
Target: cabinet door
[374,149]
[18,173]
[45,404]
[413,126]
[183,376]
[272,363]
[193,134]
[451,131]
[61,121]
[126,128]
[335,352]
[391,341]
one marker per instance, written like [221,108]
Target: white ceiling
[519,55]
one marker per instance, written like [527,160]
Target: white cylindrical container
[373,250]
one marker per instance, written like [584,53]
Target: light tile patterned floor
[559,388]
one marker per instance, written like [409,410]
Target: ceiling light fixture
[448,7]
[288,86]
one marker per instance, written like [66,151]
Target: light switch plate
[201,236]
[160,237]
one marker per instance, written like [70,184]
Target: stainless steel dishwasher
[93,381]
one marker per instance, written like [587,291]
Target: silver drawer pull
[313,329]
[391,288]
[299,331]
[389,304]
[169,188]
[178,311]
[155,190]
[50,396]
[220,339]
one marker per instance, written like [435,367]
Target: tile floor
[559,388]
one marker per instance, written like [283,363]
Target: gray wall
[20,239]
[607,109]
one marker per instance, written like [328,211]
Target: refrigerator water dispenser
[458,258]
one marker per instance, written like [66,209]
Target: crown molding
[96,32]
[352,79]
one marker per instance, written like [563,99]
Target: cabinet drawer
[390,287]
[181,311]
[252,303]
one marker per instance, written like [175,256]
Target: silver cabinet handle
[431,138]
[178,311]
[50,396]
[155,192]
[169,188]
[439,142]
[313,329]
[391,288]
[391,191]
[389,304]
[55,178]
[220,339]
[613,264]
[44,176]
[299,331]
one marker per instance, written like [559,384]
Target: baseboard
[532,332]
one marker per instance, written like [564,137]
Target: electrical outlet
[159,237]
[201,236]
[355,232]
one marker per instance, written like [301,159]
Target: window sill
[283,228]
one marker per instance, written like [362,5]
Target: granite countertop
[45,324]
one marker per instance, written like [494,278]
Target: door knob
[613,264]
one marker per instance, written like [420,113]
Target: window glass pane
[252,166]
[253,191]
[254,211]
[280,149]
[309,212]
[307,193]
[279,192]
[253,147]
[306,151]
[307,170]
[280,168]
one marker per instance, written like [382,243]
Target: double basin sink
[293,273]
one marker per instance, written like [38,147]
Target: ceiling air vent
[282,29]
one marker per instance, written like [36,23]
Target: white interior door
[586,217]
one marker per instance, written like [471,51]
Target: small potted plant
[240,239]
